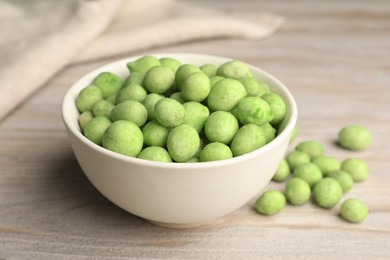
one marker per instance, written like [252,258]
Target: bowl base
[178,225]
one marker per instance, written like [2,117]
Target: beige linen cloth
[38,38]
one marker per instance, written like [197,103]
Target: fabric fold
[175,31]
[39,38]
[45,55]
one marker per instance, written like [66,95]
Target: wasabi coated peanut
[353,210]
[169,112]
[282,172]
[209,69]
[143,64]
[95,129]
[196,115]
[269,132]
[192,160]
[155,153]
[343,178]
[225,95]
[130,102]
[170,63]
[277,105]
[102,108]
[248,138]
[202,144]
[270,202]
[215,152]
[263,88]
[196,87]
[159,79]
[253,110]
[357,168]
[296,158]
[131,92]
[215,79]
[108,83]
[354,137]
[183,72]
[253,88]
[234,69]
[293,134]
[88,97]
[135,78]
[149,103]
[111,99]
[327,192]
[327,164]
[84,119]
[155,134]
[311,148]
[123,137]
[130,110]
[178,97]
[308,172]
[221,127]
[183,142]
[297,191]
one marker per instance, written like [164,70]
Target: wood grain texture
[333,55]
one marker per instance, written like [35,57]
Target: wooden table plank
[335,58]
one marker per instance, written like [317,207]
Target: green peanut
[270,202]
[353,210]
[354,137]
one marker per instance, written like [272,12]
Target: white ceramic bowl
[177,194]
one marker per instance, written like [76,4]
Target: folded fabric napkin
[40,37]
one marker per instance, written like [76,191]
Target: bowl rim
[68,102]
